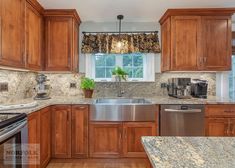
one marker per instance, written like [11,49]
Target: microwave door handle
[183,111]
[10,132]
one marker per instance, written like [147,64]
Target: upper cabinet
[12,28]
[34,35]
[196,40]
[61,32]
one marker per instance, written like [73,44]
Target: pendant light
[119,43]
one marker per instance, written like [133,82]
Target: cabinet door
[33,38]
[105,139]
[216,42]
[185,42]
[80,131]
[45,131]
[58,43]
[217,127]
[166,45]
[132,133]
[61,131]
[12,33]
[34,136]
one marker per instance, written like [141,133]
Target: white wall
[113,26]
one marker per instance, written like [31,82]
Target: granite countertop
[190,152]
[79,100]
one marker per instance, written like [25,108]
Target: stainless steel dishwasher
[182,120]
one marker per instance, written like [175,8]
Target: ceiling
[133,10]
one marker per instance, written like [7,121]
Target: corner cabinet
[12,36]
[196,40]
[61,33]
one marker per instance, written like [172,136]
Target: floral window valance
[123,43]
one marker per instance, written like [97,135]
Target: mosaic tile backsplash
[21,85]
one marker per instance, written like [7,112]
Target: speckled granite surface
[190,152]
[80,100]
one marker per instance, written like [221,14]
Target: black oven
[13,140]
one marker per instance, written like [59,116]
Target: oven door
[11,144]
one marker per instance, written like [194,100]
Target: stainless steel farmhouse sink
[122,109]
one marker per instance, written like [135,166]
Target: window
[140,67]
[232,80]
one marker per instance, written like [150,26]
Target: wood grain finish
[34,134]
[105,139]
[216,42]
[34,35]
[166,45]
[100,163]
[220,110]
[185,34]
[45,136]
[58,44]
[132,133]
[80,131]
[61,131]
[12,50]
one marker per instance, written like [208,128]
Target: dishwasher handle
[184,111]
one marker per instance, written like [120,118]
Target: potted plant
[118,74]
[87,86]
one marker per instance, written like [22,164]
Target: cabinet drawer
[220,111]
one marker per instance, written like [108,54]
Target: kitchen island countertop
[190,152]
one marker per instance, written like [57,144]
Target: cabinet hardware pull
[81,107]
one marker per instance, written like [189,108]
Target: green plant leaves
[87,83]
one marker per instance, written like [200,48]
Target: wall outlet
[163,85]
[73,85]
[4,87]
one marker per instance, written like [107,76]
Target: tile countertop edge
[159,100]
[146,151]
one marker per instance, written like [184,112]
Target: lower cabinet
[105,139]
[61,131]
[220,126]
[45,137]
[116,139]
[69,131]
[132,133]
[34,136]
[79,131]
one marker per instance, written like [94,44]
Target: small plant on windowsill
[88,86]
[119,74]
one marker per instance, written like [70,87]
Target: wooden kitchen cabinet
[80,131]
[196,40]
[34,35]
[132,133]
[105,139]
[220,120]
[34,136]
[61,131]
[12,25]
[45,137]
[61,40]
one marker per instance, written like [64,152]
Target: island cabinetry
[188,40]
[220,120]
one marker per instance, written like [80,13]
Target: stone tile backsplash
[21,85]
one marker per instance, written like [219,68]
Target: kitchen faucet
[118,81]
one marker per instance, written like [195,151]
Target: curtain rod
[123,32]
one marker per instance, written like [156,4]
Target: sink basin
[121,101]
[122,109]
